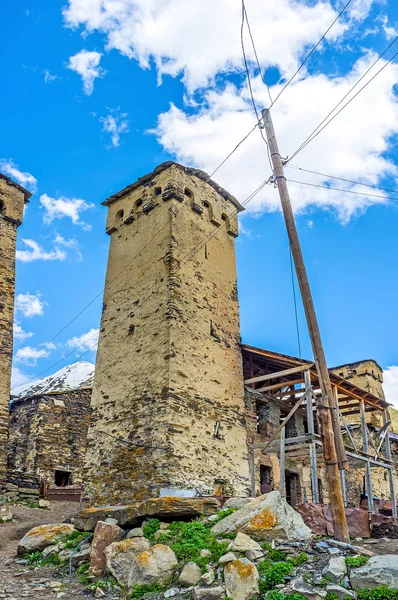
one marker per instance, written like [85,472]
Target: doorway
[62,478]
[266,479]
[293,489]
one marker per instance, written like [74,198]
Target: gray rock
[171,592]
[81,556]
[335,569]
[44,503]
[334,551]
[268,517]
[299,586]
[379,570]
[254,554]
[98,592]
[236,502]
[226,558]
[190,575]
[137,532]
[204,553]
[322,546]
[38,538]
[111,521]
[209,593]
[209,577]
[341,592]
[241,579]
[154,565]
[51,550]
[243,542]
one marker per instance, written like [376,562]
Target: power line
[325,121]
[139,253]
[187,257]
[311,52]
[244,15]
[375,187]
[255,52]
[331,188]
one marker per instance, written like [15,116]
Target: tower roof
[188,170]
[10,181]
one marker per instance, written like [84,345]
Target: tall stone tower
[12,200]
[167,397]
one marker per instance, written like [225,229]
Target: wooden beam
[282,463]
[278,374]
[279,385]
[311,431]
[386,418]
[368,473]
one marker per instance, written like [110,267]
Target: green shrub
[138,591]
[221,515]
[274,575]
[151,528]
[331,596]
[356,561]
[378,593]
[82,572]
[299,560]
[34,559]
[71,540]
[275,595]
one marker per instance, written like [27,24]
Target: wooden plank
[278,374]
[252,474]
[391,470]
[279,385]
[282,463]
[311,431]
[368,473]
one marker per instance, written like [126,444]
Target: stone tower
[12,200]
[167,398]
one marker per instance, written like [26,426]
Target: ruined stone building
[12,200]
[47,440]
[179,406]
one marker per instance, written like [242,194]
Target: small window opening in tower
[225,218]
[62,478]
[119,217]
[266,479]
[158,191]
[206,255]
[2,208]
[188,193]
[206,204]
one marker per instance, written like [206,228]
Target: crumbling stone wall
[12,199]
[168,388]
[46,433]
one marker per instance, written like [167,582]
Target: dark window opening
[305,424]
[266,479]
[292,487]
[320,491]
[206,256]
[62,478]
[206,204]
[158,191]
[119,217]
[188,193]
[2,207]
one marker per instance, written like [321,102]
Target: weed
[34,558]
[138,591]
[275,575]
[221,515]
[331,596]
[71,540]
[378,593]
[356,561]
[151,528]
[299,560]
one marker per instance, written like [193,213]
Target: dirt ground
[16,580]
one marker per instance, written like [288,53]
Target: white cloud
[69,243]
[86,64]
[37,252]
[205,138]
[31,355]
[115,123]
[86,341]
[25,179]
[390,385]
[19,333]
[18,377]
[64,207]
[389,30]
[201,39]
[29,305]
[49,77]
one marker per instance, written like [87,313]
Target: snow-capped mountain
[73,376]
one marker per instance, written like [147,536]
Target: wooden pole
[282,463]
[252,474]
[329,436]
[368,472]
[386,419]
[311,430]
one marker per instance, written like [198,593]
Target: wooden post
[368,472]
[386,419]
[343,487]
[282,463]
[331,436]
[252,474]
[311,431]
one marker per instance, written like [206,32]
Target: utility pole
[332,442]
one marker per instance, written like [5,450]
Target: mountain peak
[76,375]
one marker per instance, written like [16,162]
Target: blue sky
[99,93]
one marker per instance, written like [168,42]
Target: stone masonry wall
[48,432]
[12,200]
[168,389]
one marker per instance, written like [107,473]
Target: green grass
[150,529]
[298,560]
[379,593]
[222,514]
[36,560]
[273,574]
[71,540]
[138,591]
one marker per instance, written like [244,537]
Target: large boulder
[132,515]
[209,593]
[120,556]
[267,517]
[379,570]
[40,537]
[241,579]
[154,565]
[243,542]
[236,503]
[299,586]
[104,535]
